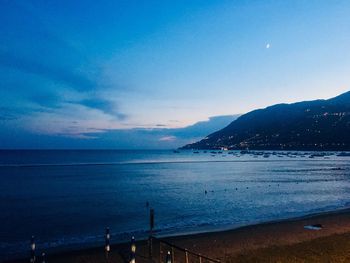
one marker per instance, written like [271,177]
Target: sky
[82,73]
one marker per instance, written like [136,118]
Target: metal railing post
[168,258]
[133,251]
[107,242]
[160,251]
[187,252]
[32,250]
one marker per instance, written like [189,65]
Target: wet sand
[281,241]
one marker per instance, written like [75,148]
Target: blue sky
[79,72]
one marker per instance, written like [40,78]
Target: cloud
[57,84]
[203,127]
[105,105]
[72,127]
[69,120]
[30,46]
[49,71]
[167,138]
[7,114]
[60,87]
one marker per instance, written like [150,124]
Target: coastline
[241,244]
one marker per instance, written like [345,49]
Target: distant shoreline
[297,149]
[157,162]
[184,149]
[232,243]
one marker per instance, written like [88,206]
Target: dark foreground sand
[284,241]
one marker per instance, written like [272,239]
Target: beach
[278,241]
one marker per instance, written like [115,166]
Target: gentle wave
[159,162]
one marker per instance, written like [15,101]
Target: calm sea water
[67,198]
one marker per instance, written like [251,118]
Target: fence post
[186,255]
[172,255]
[168,258]
[200,259]
[133,251]
[107,242]
[151,224]
[43,256]
[160,251]
[32,250]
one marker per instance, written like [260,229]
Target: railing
[183,254]
[155,251]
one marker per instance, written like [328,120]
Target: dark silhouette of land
[309,125]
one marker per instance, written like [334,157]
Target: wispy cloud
[167,138]
[8,114]
[69,120]
[49,71]
[57,83]
[63,92]
[105,105]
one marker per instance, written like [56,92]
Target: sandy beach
[282,241]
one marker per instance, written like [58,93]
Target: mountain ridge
[307,125]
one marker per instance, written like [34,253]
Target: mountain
[202,128]
[308,125]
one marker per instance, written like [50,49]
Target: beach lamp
[133,250]
[107,241]
[32,250]
[168,258]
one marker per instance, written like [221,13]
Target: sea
[67,198]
